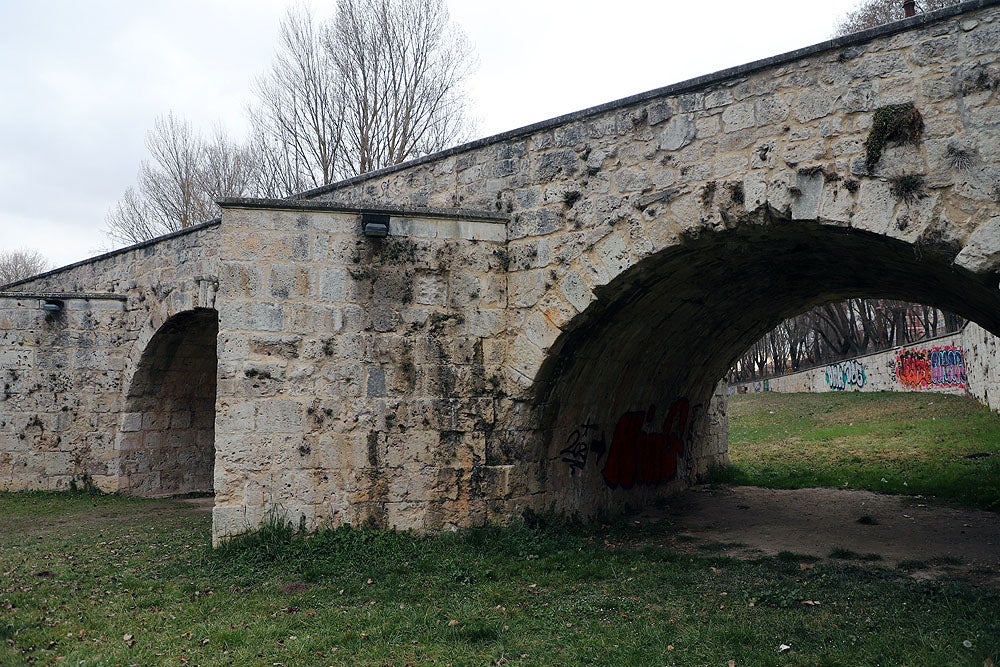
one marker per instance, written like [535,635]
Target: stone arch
[636,371]
[167,433]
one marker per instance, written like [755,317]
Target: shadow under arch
[655,343]
[167,431]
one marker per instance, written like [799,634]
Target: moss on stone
[892,125]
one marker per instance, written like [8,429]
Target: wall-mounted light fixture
[52,305]
[375,224]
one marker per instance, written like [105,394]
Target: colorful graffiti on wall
[846,374]
[931,368]
[639,456]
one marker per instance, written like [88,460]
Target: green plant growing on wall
[907,187]
[894,124]
[961,157]
[571,197]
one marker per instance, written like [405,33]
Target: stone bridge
[547,320]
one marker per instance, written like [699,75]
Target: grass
[902,443]
[102,580]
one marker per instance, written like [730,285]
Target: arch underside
[168,428]
[662,334]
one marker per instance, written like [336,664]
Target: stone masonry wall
[61,380]
[65,373]
[358,377]
[651,240]
[620,258]
[982,364]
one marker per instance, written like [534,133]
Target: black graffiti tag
[578,447]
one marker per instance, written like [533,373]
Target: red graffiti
[641,457]
[936,367]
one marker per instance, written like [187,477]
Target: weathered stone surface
[981,253]
[556,341]
[679,132]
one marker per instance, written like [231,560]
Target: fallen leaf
[811,603]
[784,647]
[806,566]
[453,622]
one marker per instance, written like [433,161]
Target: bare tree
[872,13]
[841,330]
[400,66]
[378,84]
[19,264]
[178,187]
[298,118]
[227,169]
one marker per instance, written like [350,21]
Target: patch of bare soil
[816,522]
[200,503]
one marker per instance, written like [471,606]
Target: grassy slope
[913,443]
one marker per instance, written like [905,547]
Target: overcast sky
[82,81]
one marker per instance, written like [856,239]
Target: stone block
[678,133]
[279,416]
[807,195]
[981,253]
[738,116]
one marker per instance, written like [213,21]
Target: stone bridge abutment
[547,321]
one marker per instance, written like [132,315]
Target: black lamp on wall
[375,224]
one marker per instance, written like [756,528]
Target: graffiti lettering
[930,368]
[578,449]
[844,374]
[638,456]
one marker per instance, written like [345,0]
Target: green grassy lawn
[903,443]
[102,580]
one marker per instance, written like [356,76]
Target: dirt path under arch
[751,521]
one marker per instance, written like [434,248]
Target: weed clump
[960,157]
[907,187]
[894,124]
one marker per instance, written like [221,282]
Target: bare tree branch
[872,13]
[378,84]
[19,264]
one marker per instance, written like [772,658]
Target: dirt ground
[816,521]
[752,521]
